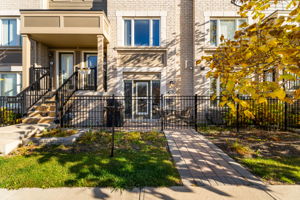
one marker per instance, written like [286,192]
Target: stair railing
[13,108]
[64,93]
[34,92]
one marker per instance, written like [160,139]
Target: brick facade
[184,34]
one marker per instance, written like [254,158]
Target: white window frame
[150,29]
[219,19]
[19,79]
[142,98]
[18,32]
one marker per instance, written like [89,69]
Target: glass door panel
[142,97]
[91,60]
[66,66]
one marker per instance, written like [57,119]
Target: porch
[65,41]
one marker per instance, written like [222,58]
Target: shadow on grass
[127,169]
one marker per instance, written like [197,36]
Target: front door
[142,99]
[91,63]
[66,66]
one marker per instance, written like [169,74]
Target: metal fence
[87,79]
[13,108]
[174,112]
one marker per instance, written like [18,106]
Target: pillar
[100,51]
[26,60]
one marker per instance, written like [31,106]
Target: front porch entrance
[142,99]
[65,67]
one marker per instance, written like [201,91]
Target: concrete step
[43,108]
[11,137]
[41,114]
[8,145]
[38,120]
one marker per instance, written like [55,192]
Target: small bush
[9,117]
[240,149]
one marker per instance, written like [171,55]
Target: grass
[275,170]
[271,155]
[240,149]
[57,133]
[141,159]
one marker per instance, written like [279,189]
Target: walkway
[202,163]
[12,136]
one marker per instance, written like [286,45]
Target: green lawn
[284,170]
[141,159]
[271,155]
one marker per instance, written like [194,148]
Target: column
[26,60]
[100,45]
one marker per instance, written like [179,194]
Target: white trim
[19,78]
[11,68]
[44,4]
[10,13]
[218,19]
[148,14]
[82,62]
[132,21]
[119,79]
[142,98]
[18,24]
[57,64]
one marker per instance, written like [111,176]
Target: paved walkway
[172,193]
[12,136]
[202,163]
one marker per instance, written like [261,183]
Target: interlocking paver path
[201,163]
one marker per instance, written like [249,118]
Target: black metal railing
[10,110]
[64,93]
[174,112]
[32,94]
[35,73]
[87,79]
[15,107]
[293,84]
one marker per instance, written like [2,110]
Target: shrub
[9,117]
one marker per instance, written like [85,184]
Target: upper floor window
[225,27]
[142,32]
[9,35]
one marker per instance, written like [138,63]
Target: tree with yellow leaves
[272,44]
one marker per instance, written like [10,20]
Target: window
[142,32]
[226,27]
[269,76]
[10,84]
[9,34]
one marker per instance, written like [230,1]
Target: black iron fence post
[114,108]
[61,100]
[285,116]
[237,117]
[95,78]
[77,82]
[162,112]
[196,112]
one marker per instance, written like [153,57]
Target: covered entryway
[64,41]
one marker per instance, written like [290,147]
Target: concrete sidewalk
[12,136]
[172,193]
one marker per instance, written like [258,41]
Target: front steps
[43,112]
[11,137]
